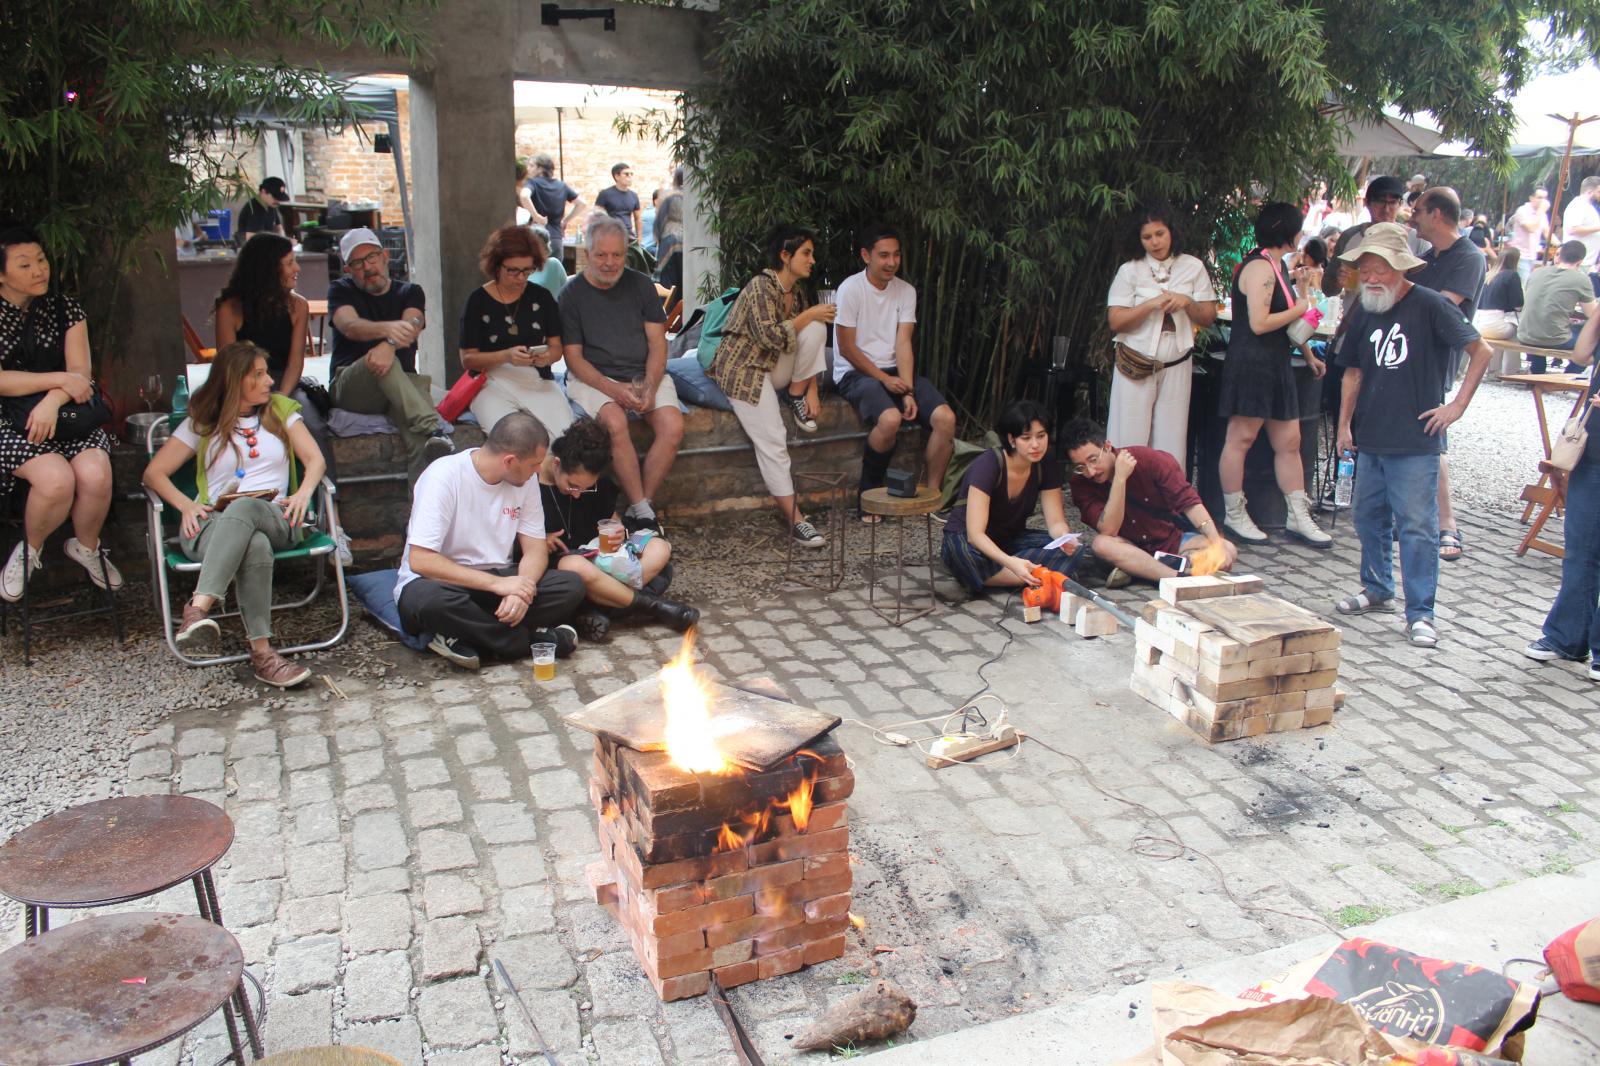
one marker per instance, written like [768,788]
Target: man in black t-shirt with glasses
[1397,367]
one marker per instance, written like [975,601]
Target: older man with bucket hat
[1397,367]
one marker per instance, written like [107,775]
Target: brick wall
[345,167]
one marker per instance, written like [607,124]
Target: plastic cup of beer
[637,388]
[827,297]
[612,534]
[544,661]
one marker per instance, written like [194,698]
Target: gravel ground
[1495,448]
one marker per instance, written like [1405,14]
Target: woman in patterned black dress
[44,364]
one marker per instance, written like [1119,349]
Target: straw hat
[1388,240]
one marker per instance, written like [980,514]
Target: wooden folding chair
[1549,499]
[191,339]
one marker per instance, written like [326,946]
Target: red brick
[683,986]
[828,907]
[823,950]
[706,917]
[679,897]
[786,961]
[828,865]
[827,816]
[683,943]
[839,788]
[728,954]
[801,846]
[740,973]
[770,943]
[754,880]
[678,965]
[818,887]
[755,925]
[721,864]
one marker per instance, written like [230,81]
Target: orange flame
[800,803]
[752,826]
[1208,560]
[857,921]
[608,809]
[689,739]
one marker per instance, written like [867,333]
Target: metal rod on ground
[1099,601]
[544,1048]
[742,1045]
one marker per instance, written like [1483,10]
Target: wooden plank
[1313,642]
[1152,608]
[1259,619]
[755,731]
[937,761]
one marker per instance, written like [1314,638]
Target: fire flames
[1208,560]
[690,742]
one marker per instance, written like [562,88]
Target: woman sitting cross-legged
[987,542]
[242,433]
[577,497]
[768,362]
[44,365]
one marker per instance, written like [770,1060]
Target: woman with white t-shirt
[1157,299]
[249,500]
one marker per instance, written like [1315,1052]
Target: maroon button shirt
[1156,491]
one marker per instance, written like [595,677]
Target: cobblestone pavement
[391,844]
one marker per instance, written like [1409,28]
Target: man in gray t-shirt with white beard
[614,336]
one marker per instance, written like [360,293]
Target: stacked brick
[691,905]
[1230,661]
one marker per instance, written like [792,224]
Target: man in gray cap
[376,322]
[1397,366]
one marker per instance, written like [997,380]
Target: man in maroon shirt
[1131,497]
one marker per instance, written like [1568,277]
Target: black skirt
[1256,384]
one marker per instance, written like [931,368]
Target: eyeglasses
[517,272]
[371,260]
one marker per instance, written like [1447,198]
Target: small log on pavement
[874,1013]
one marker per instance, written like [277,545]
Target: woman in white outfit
[1158,298]
[768,361]
[511,331]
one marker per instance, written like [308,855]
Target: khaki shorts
[591,400]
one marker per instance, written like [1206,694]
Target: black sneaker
[805,534]
[564,637]
[593,626]
[797,407]
[1542,651]
[633,524]
[455,651]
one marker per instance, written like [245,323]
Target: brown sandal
[273,669]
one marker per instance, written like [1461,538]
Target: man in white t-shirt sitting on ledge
[456,578]
[875,368]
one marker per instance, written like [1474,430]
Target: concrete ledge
[1503,923]
[715,473]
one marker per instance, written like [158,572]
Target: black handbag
[75,420]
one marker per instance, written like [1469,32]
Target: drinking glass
[637,388]
[612,534]
[544,662]
[150,392]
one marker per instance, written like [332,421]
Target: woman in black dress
[1258,387]
[44,365]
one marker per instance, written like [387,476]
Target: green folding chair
[167,558]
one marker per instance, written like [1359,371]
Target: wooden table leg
[1544,435]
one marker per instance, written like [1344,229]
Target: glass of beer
[612,534]
[544,662]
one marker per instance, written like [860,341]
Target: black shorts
[871,399]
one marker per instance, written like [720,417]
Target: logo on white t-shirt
[1390,351]
[512,513]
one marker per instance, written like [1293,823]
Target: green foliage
[1005,137]
[1359,914]
[105,103]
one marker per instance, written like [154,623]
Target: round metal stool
[107,988]
[113,851]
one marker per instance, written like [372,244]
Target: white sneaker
[1300,524]
[12,579]
[347,558]
[1238,520]
[91,560]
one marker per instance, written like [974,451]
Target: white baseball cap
[355,239]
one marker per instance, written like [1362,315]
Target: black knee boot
[678,616]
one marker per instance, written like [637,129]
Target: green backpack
[716,317]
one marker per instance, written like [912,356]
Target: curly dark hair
[586,445]
[257,279]
[509,242]
[1129,247]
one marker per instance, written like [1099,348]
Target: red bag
[461,395]
[1574,957]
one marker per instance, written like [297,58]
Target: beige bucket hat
[1386,239]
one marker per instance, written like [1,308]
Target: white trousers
[1153,412]
[539,397]
[1499,326]
[763,422]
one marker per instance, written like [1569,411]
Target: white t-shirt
[467,520]
[876,315]
[232,470]
[1135,282]
[1582,212]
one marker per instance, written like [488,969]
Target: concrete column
[143,331]
[463,152]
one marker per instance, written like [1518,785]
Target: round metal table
[113,851]
[879,502]
[107,988]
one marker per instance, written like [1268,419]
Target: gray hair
[519,434]
[544,164]
[602,225]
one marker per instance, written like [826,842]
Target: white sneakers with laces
[13,579]
[90,560]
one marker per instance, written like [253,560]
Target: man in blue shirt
[1398,363]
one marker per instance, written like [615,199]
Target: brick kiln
[1230,661]
[723,828]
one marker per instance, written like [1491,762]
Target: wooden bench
[1512,346]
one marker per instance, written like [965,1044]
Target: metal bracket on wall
[552,14]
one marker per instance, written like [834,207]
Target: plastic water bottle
[1344,484]
[180,397]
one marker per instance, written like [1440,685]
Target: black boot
[679,616]
[661,581]
[874,471]
[593,626]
